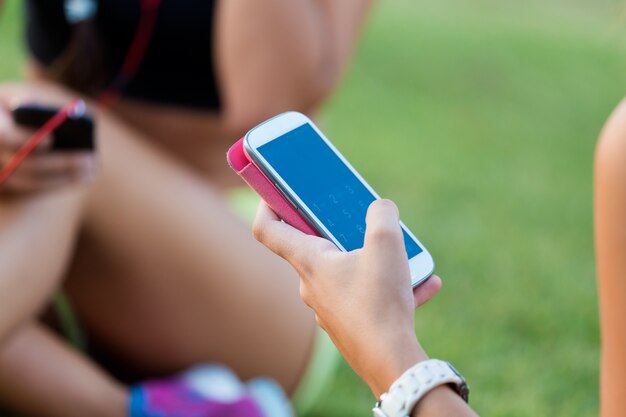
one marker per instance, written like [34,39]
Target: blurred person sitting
[161,274]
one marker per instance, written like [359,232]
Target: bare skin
[610,234]
[33,357]
[160,188]
[363,299]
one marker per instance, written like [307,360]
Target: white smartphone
[327,191]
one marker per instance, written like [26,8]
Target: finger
[79,165]
[18,184]
[286,241]
[39,172]
[12,94]
[382,231]
[426,290]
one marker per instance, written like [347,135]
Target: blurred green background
[479,118]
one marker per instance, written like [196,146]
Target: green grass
[479,119]
[11,43]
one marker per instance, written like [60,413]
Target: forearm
[36,239]
[282,54]
[42,376]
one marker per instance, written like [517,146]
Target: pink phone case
[245,168]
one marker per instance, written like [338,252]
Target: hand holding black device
[75,134]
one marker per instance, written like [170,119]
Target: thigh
[166,276]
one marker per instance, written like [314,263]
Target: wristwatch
[415,383]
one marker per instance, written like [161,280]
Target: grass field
[479,119]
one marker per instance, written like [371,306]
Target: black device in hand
[75,134]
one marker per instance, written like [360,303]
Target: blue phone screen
[325,184]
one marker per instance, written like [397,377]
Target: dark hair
[81,65]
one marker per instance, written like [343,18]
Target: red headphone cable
[135,55]
[132,62]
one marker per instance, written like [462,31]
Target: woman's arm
[363,299]
[279,55]
[610,235]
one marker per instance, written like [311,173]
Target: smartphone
[322,185]
[75,134]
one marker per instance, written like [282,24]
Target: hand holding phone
[362,300]
[73,161]
[301,175]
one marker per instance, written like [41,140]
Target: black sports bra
[178,65]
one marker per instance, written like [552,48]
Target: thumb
[383,230]
[289,243]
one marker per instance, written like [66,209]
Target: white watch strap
[406,392]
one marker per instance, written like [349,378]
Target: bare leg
[36,239]
[610,230]
[41,376]
[168,277]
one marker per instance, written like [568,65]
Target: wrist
[401,356]
[413,389]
